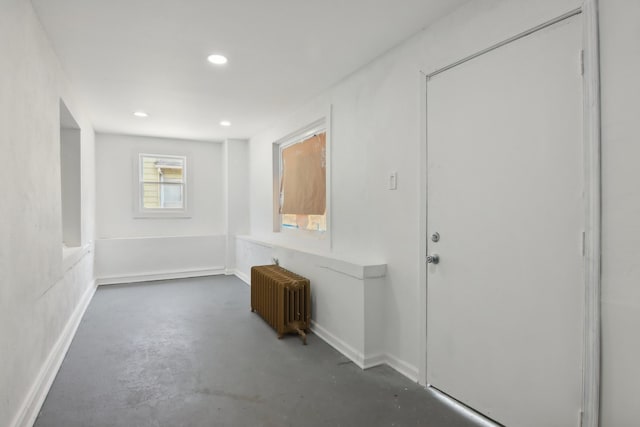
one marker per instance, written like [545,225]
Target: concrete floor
[190,353]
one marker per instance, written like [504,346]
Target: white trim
[358,269]
[263,243]
[525,33]
[302,134]
[422,242]
[72,256]
[139,212]
[171,236]
[365,361]
[34,400]
[164,275]
[462,409]
[407,369]
[240,275]
[329,166]
[592,144]
[374,360]
[335,342]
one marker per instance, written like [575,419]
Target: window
[162,181]
[302,183]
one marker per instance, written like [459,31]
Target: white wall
[377,128]
[620,69]
[42,296]
[131,248]
[70,164]
[250,253]
[236,160]
[137,259]
[116,175]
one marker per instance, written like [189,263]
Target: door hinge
[584,243]
[582,62]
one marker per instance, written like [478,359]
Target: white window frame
[319,126]
[139,211]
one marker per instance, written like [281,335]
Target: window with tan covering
[303,191]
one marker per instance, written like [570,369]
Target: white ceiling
[128,55]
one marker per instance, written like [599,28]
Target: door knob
[433,259]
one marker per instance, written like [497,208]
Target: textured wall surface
[37,294]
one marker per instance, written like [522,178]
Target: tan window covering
[303,183]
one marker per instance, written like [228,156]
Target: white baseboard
[240,275]
[374,360]
[399,365]
[406,369]
[164,275]
[365,361]
[335,342]
[32,404]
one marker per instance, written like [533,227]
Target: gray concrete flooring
[190,353]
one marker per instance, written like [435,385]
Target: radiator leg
[302,335]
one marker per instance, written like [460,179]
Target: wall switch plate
[393,181]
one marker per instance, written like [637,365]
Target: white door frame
[593,205]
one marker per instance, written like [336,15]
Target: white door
[505,193]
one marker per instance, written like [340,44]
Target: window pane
[290,221]
[317,222]
[150,173]
[162,181]
[171,175]
[171,195]
[151,195]
[305,222]
[162,168]
[163,195]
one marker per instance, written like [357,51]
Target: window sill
[162,215]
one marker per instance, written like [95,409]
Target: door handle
[433,259]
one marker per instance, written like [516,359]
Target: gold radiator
[282,298]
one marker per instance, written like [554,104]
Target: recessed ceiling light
[140,114]
[225,123]
[217,59]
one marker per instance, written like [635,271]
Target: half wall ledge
[356,268]
[348,296]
